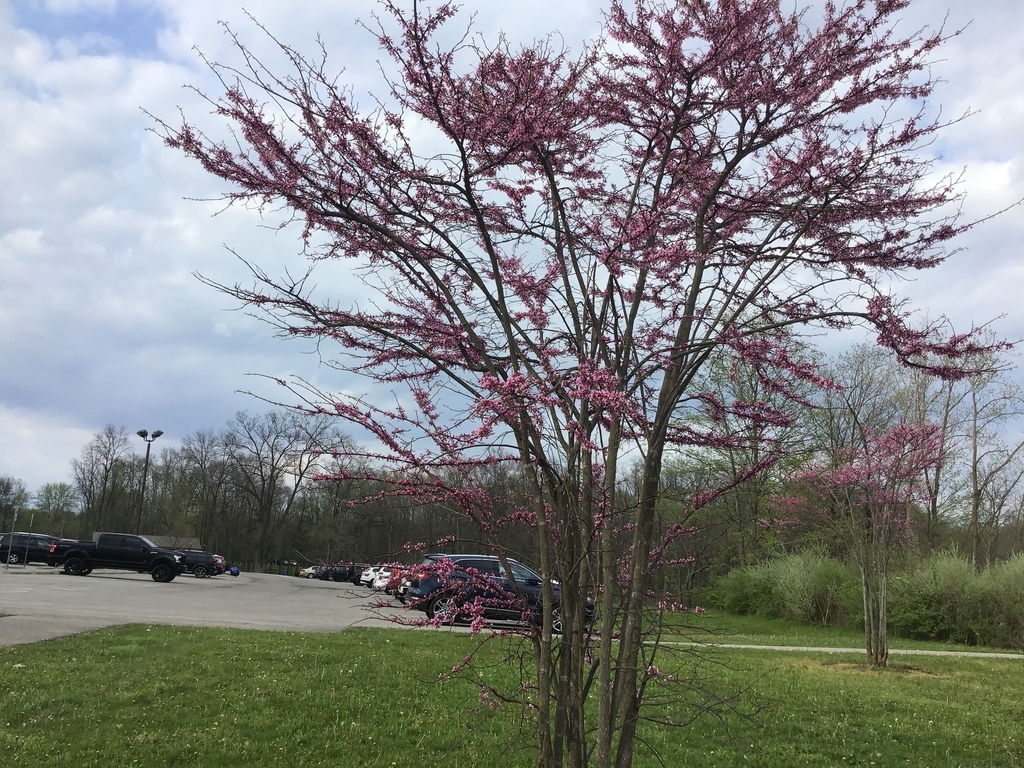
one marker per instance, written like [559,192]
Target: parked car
[447,582]
[25,548]
[398,584]
[338,572]
[200,564]
[369,574]
[310,571]
[221,563]
[381,578]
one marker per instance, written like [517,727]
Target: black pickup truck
[122,551]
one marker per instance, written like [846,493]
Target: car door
[499,595]
[39,548]
[529,583]
[122,551]
[474,578]
[109,550]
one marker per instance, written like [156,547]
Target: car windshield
[147,542]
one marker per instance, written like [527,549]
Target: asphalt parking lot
[39,603]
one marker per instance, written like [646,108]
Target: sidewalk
[822,649]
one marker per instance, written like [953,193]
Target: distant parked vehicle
[336,572]
[310,571]
[120,551]
[201,564]
[25,548]
[447,585]
[369,574]
[381,578]
[398,584]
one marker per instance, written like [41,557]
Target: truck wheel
[200,572]
[75,566]
[162,572]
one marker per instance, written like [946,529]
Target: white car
[381,578]
[367,577]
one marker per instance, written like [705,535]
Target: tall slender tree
[58,505]
[106,481]
[274,456]
[13,500]
[870,490]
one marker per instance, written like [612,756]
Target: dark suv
[201,564]
[443,584]
[25,547]
[338,572]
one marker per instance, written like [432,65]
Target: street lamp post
[145,471]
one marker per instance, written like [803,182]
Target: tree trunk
[627,689]
[875,595]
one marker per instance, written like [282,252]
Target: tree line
[264,488]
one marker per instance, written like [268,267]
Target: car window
[522,574]
[483,566]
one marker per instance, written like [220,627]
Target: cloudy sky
[101,319]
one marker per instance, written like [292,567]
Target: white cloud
[40,445]
[101,320]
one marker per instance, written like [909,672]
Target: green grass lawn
[163,696]
[715,627]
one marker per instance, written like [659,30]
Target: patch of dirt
[899,669]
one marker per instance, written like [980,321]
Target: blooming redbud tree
[870,490]
[553,245]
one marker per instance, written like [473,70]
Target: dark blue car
[449,585]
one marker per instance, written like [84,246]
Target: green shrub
[939,597]
[808,587]
[745,592]
[943,598]
[935,599]
[1000,622]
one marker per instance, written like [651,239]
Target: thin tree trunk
[627,698]
[605,707]
[882,648]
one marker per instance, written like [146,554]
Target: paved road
[41,603]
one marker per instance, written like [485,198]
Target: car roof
[464,555]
